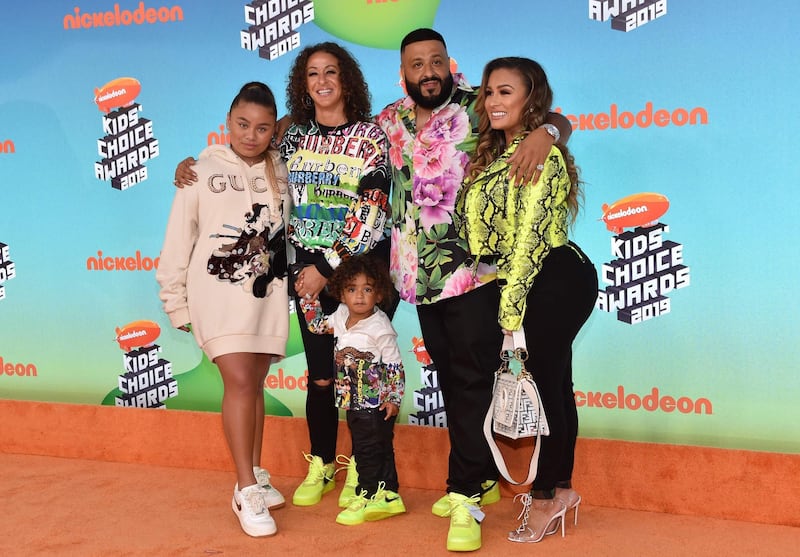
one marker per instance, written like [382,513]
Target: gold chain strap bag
[516,411]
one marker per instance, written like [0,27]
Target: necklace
[327,132]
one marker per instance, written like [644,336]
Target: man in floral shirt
[432,133]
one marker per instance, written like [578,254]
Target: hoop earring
[307,101]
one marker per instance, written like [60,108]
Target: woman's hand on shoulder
[184,175]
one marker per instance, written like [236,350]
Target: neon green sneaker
[354,513]
[383,504]
[350,482]
[465,528]
[318,482]
[490,493]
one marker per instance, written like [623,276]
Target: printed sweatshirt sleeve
[173,265]
[367,218]
[393,384]
[316,320]
[536,207]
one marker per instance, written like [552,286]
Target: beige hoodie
[224,244]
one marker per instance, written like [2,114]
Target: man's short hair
[422,34]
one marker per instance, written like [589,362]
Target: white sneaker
[251,509]
[272,497]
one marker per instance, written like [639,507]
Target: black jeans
[464,339]
[559,303]
[322,415]
[373,449]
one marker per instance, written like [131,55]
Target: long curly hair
[356,93]
[371,266]
[492,143]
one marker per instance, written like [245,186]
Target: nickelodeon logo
[16,369]
[640,209]
[219,138]
[7,146]
[137,334]
[117,17]
[645,118]
[124,263]
[118,92]
[652,402]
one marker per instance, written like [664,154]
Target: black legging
[559,303]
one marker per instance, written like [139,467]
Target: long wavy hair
[357,99]
[492,143]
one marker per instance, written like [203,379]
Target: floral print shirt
[429,261]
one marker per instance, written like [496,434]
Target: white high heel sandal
[549,513]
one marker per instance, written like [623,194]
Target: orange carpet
[71,507]
[121,481]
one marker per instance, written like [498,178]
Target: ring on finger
[539,167]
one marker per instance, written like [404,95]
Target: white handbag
[516,411]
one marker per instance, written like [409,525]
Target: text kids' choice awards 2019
[647,267]
[129,141]
[8,270]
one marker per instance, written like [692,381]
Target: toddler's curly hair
[370,266]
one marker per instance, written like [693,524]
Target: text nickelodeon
[119,16]
[626,119]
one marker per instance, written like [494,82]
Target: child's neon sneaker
[383,504]
[318,482]
[354,513]
[351,480]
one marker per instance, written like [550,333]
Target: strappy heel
[546,513]
[571,500]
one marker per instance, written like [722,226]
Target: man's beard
[414,91]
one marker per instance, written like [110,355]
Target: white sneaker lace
[262,478]
[253,501]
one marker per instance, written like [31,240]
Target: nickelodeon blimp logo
[639,209]
[118,92]
[137,334]
[420,352]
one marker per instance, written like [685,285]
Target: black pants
[322,415]
[464,340]
[560,302]
[373,449]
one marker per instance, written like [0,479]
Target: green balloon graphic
[379,23]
